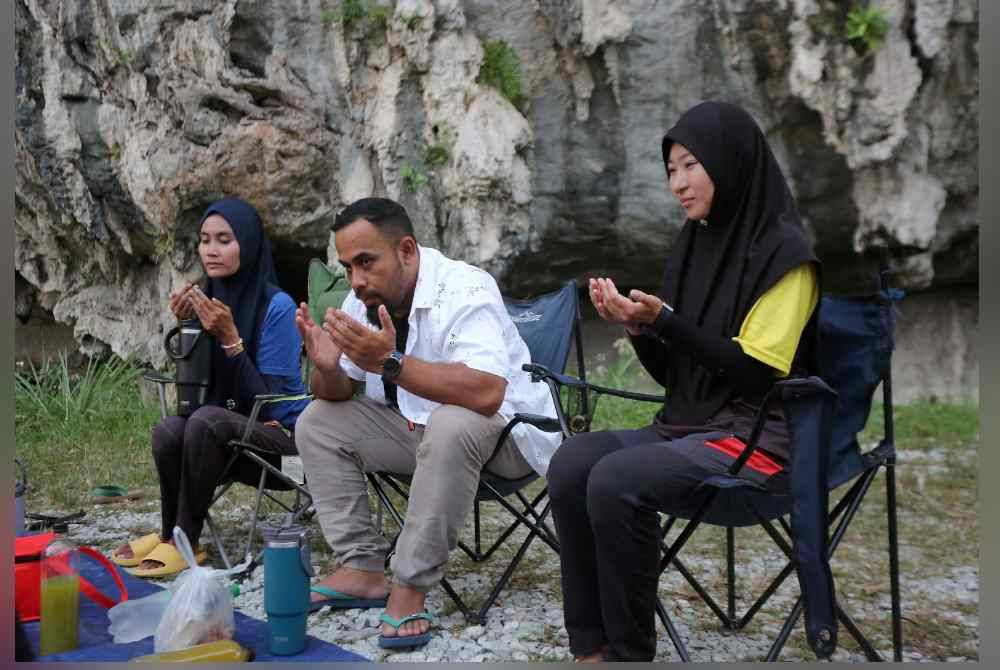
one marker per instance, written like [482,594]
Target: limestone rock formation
[133,115]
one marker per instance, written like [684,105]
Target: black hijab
[247,293]
[718,268]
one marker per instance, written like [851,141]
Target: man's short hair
[387,215]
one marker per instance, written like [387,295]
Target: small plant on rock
[439,153]
[413,178]
[866,28]
[501,69]
[352,12]
[412,22]
[328,16]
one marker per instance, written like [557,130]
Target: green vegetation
[77,429]
[439,153]
[328,16]
[501,69]
[378,18]
[413,178]
[352,13]
[164,244]
[122,57]
[370,19]
[866,27]
[412,21]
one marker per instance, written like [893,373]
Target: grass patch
[501,69]
[77,429]
[927,425]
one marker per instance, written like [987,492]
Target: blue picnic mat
[96,643]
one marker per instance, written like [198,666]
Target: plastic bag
[201,608]
[137,619]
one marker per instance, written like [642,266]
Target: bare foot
[357,583]
[404,601]
[598,656]
[124,551]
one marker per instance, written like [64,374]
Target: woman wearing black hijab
[255,350]
[735,312]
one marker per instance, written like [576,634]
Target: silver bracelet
[233,345]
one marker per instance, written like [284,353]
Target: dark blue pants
[606,490]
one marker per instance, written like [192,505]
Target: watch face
[392,365]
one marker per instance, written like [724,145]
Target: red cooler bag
[28,576]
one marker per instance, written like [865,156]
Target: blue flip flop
[396,641]
[342,601]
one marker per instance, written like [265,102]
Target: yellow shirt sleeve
[771,330]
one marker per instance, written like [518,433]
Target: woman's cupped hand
[215,316]
[180,302]
[632,312]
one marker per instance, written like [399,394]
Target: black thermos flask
[189,345]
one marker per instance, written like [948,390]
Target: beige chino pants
[340,441]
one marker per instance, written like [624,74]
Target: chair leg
[247,551]
[858,636]
[217,540]
[469,615]
[731,573]
[897,617]
[786,630]
[705,596]
[672,632]
[502,582]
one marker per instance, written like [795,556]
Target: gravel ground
[940,600]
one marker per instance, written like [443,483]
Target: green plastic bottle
[60,596]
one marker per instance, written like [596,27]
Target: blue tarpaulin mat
[96,644]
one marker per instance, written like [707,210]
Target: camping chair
[272,479]
[825,414]
[326,288]
[856,337]
[548,325]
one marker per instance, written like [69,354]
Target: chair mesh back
[546,324]
[856,342]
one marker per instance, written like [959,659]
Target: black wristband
[662,319]
[661,324]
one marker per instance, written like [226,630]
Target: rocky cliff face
[133,115]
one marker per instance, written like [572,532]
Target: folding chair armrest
[541,373]
[545,423]
[797,386]
[265,399]
[157,378]
[161,382]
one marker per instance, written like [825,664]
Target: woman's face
[218,248]
[689,182]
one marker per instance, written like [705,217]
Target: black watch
[392,366]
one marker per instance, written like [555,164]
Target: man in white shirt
[441,361]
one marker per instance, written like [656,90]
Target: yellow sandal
[171,559]
[141,548]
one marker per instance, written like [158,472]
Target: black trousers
[191,455]
[606,489]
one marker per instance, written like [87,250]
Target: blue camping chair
[825,414]
[549,325]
